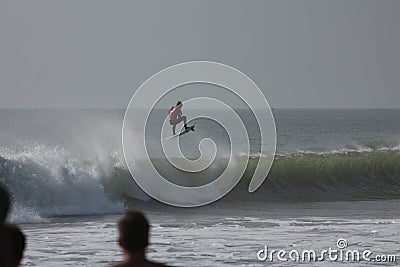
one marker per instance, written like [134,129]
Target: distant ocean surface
[336,174]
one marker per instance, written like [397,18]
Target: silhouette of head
[12,245]
[133,231]
[179,104]
[18,240]
[4,204]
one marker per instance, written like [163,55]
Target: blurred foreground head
[12,245]
[133,231]
[4,204]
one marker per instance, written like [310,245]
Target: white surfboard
[189,129]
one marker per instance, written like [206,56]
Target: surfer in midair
[175,116]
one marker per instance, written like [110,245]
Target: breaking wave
[49,181]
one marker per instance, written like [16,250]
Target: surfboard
[189,129]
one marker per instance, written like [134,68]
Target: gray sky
[94,54]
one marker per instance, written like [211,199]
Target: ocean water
[336,175]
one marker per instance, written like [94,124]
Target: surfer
[175,116]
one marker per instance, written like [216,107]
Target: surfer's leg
[173,123]
[184,122]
